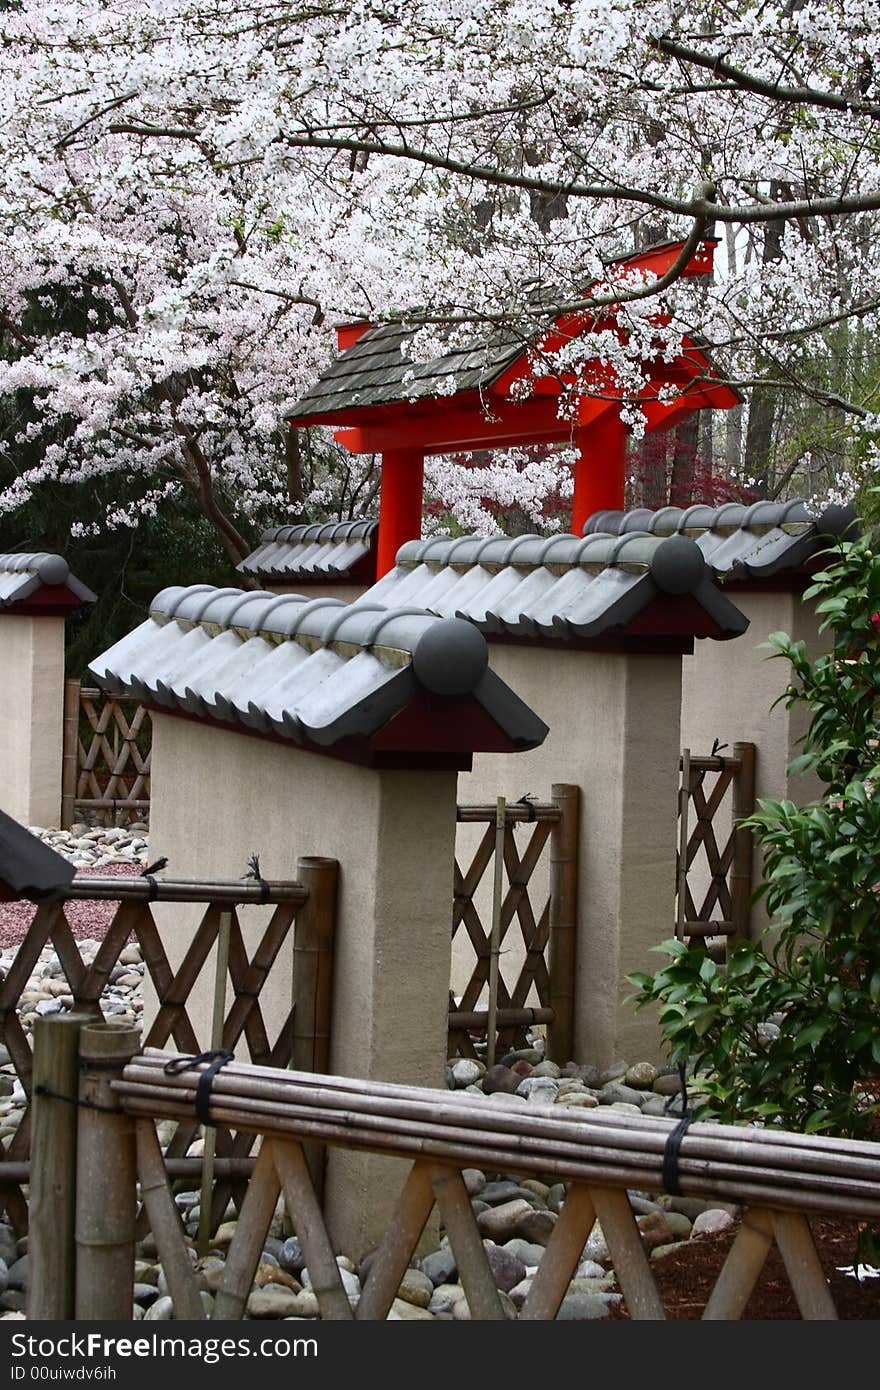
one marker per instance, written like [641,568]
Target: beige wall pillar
[217,798]
[614,731]
[729,690]
[31,717]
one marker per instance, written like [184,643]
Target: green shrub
[790,1027]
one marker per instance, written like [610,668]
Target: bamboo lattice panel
[243,1018]
[717,878]
[524,846]
[113,756]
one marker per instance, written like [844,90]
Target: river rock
[145,1294]
[502,1223]
[291,1259]
[445,1297]
[506,1269]
[707,1223]
[547,1068]
[579,1100]
[536,1226]
[528,1251]
[655,1230]
[17,1273]
[640,1076]
[666,1083]
[273,1302]
[402,1310]
[440,1266]
[504,1190]
[474,1181]
[580,1306]
[590,1076]
[161,1311]
[416,1287]
[500,1079]
[615,1093]
[466,1072]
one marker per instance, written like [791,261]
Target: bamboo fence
[547,934]
[720,907]
[780,1177]
[304,908]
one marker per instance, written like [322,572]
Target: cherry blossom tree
[216,184]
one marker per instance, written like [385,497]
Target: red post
[400,504]
[600,470]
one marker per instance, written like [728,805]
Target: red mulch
[685,1277]
[88,920]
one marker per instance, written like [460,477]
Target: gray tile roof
[563,587]
[745,542]
[318,672]
[378,370]
[32,580]
[29,868]
[338,550]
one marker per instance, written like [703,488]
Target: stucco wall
[728,693]
[31,717]
[614,731]
[218,797]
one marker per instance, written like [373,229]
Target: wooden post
[106,1178]
[221,971]
[313,981]
[743,842]
[495,934]
[70,753]
[563,921]
[51,1251]
[400,504]
[600,468]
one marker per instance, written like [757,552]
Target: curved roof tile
[320,673]
[745,542]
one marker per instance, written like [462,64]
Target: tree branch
[776,91]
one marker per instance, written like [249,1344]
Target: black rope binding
[148,872]
[49,1094]
[528,801]
[254,873]
[217,1059]
[673,1143]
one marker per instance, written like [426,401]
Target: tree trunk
[684,457]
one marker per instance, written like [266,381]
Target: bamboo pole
[52,1195]
[741,868]
[18,1174]
[165,1225]
[575,1157]
[540,1126]
[495,933]
[313,940]
[563,920]
[461,1226]
[504,1018]
[684,802]
[391,1260]
[560,1259]
[624,1241]
[171,890]
[647,1176]
[254,1221]
[741,1269]
[106,1176]
[535,810]
[296,1184]
[803,1266]
[70,752]
[221,972]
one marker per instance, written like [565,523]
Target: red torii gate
[472,398]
